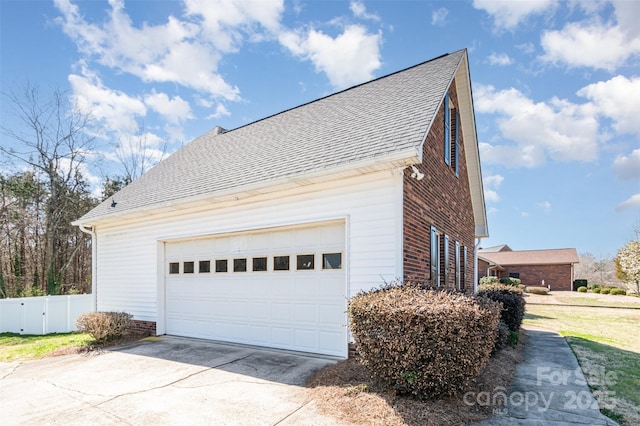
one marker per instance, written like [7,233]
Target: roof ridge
[338,92]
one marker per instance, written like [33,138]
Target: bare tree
[596,270]
[53,140]
[135,155]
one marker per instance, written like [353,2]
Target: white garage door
[284,288]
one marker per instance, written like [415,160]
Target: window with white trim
[457,270]
[464,268]
[435,257]
[445,251]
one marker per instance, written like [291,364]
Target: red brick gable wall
[441,199]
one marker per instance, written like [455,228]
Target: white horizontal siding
[127,252]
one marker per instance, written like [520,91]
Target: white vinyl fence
[43,315]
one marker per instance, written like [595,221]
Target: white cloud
[177,52]
[545,205]
[507,14]
[627,167]
[558,129]
[220,111]
[617,99]
[631,203]
[491,184]
[439,16]
[225,23]
[360,11]
[348,59]
[175,110]
[589,44]
[118,110]
[527,47]
[511,156]
[499,59]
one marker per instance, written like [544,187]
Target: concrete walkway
[549,387]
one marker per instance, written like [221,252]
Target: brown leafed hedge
[513,303]
[423,342]
[105,326]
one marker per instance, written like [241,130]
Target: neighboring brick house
[553,267]
[261,234]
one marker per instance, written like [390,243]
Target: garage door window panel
[174,267]
[332,261]
[240,265]
[259,264]
[280,263]
[188,267]
[222,265]
[204,266]
[305,262]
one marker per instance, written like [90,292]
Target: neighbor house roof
[374,126]
[532,257]
[493,249]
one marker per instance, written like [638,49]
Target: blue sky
[556,87]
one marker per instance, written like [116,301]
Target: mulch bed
[346,391]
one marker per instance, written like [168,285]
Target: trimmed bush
[618,292]
[422,342]
[105,326]
[582,289]
[510,281]
[605,290]
[537,290]
[488,280]
[502,337]
[512,303]
[596,290]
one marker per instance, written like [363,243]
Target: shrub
[502,337]
[512,303]
[618,291]
[513,338]
[596,289]
[579,283]
[510,281]
[488,280]
[536,290]
[104,326]
[422,342]
[582,289]
[605,290]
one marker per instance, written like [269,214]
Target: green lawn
[607,344]
[20,347]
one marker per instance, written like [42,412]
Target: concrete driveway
[167,380]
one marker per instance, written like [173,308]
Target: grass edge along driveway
[25,347]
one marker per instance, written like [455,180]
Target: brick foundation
[353,352]
[143,328]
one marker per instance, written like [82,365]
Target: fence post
[45,316]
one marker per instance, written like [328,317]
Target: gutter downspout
[94,264]
[475,265]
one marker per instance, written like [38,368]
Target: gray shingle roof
[383,117]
